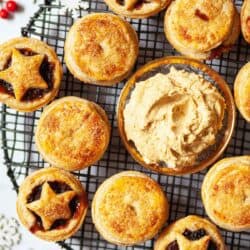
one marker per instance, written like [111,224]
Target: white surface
[8,29]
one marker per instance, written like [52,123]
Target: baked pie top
[245,20]
[30,74]
[129,208]
[191,232]
[196,24]
[242,90]
[226,193]
[137,8]
[216,52]
[101,48]
[51,203]
[72,133]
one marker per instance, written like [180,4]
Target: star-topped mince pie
[30,74]
[190,233]
[137,8]
[52,204]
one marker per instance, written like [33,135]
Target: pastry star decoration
[23,73]
[185,244]
[51,206]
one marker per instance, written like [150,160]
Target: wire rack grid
[17,129]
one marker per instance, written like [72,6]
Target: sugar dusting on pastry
[173,117]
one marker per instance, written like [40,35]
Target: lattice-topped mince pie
[137,8]
[190,233]
[52,204]
[30,74]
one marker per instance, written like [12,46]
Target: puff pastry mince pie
[226,193]
[245,20]
[30,74]
[190,233]
[242,91]
[51,204]
[72,133]
[194,27]
[137,8]
[101,49]
[129,208]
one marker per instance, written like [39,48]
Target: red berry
[11,5]
[4,13]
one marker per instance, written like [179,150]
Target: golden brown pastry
[129,208]
[101,48]
[51,204]
[226,193]
[194,27]
[30,74]
[190,233]
[137,8]
[226,45]
[242,91]
[245,20]
[72,133]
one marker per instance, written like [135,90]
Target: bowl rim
[222,85]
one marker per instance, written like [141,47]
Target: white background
[8,29]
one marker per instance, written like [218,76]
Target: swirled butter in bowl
[176,115]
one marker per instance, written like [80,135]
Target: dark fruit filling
[27,52]
[74,205]
[58,224]
[6,88]
[194,235]
[139,4]
[58,187]
[46,71]
[38,226]
[33,94]
[212,246]
[121,2]
[173,246]
[201,15]
[35,195]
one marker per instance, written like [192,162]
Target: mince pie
[226,193]
[190,233]
[194,28]
[101,49]
[52,204]
[30,74]
[72,133]
[129,208]
[242,91]
[137,8]
[245,20]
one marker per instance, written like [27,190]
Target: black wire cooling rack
[21,156]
